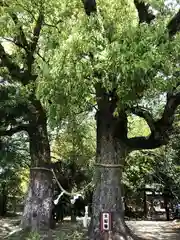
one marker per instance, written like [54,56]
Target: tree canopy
[69,54]
[128,59]
[60,59]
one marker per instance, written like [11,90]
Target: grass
[9,230]
[75,231]
[59,234]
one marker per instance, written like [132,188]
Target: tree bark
[37,214]
[3,200]
[38,205]
[145,204]
[107,196]
[166,206]
[167,211]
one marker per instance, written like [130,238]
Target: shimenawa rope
[79,192]
[59,184]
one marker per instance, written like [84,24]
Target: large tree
[29,33]
[103,56]
[25,27]
[119,55]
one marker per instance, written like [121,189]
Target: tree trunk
[166,196]
[166,205]
[37,214]
[3,200]
[107,196]
[145,204]
[38,205]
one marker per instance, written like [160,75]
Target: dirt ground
[156,230]
[151,230]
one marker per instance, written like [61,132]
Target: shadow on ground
[150,230]
[153,230]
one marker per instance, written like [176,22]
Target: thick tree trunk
[37,214]
[108,193]
[111,150]
[38,205]
[107,198]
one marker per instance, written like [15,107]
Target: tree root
[122,232]
[127,235]
[132,235]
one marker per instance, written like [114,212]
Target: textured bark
[38,205]
[111,149]
[166,204]
[107,195]
[112,141]
[37,214]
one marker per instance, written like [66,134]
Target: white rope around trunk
[59,184]
[107,165]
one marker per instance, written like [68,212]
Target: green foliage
[159,166]
[12,105]
[137,127]
[75,52]
[74,149]
[76,235]
[33,236]
[76,141]
[149,167]
[71,67]
[14,162]
[112,48]
[138,166]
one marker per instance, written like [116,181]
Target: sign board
[106,221]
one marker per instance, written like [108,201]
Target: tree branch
[15,71]
[53,26]
[36,32]
[159,129]
[10,132]
[21,38]
[43,58]
[143,11]
[160,134]
[34,41]
[89,6]
[147,16]
[27,10]
[174,25]
[143,113]
[22,42]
